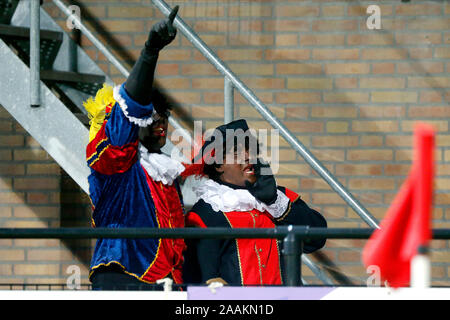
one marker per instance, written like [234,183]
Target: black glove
[140,80]
[265,187]
[162,33]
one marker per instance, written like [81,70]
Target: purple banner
[258,293]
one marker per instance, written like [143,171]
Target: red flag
[407,224]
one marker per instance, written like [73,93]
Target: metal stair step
[7,8]
[23,32]
[68,76]
[87,83]
[19,38]
[83,118]
[53,125]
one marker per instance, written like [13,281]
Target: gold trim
[259,265]
[103,140]
[288,210]
[237,248]
[99,155]
[256,250]
[159,226]
[108,264]
[123,269]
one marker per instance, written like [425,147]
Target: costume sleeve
[299,213]
[114,148]
[208,251]
[208,255]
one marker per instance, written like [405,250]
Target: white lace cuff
[122,101]
[279,207]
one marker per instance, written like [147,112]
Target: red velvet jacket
[245,261]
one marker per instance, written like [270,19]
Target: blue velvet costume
[124,195]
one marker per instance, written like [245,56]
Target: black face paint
[154,137]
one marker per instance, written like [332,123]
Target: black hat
[161,102]
[224,133]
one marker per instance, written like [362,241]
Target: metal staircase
[60,124]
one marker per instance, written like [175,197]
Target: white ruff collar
[225,199]
[160,166]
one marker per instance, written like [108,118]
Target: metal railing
[292,236]
[35,39]
[232,81]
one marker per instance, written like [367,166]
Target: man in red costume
[239,192]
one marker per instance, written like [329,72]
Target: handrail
[279,232]
[228,94]
[268,115]
[111,58]
[35,78]
[293,237]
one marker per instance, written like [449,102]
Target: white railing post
[229,101]
[35,39]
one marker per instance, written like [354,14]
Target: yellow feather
[96,108]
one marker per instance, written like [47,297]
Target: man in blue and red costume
[132,183]
[238,190]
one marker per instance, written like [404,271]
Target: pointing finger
[173,14]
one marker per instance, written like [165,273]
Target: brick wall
[36,193]
[350,94]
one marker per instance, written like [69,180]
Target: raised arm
[114,147]
[140,80]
